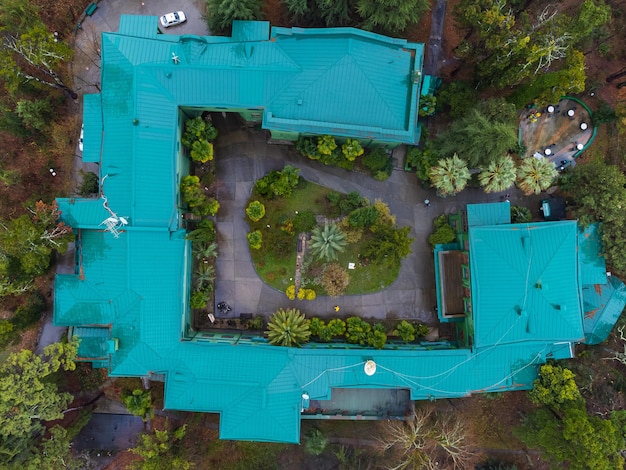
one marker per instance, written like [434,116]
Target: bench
[91,8]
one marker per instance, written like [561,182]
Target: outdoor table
[550,109]
[570,113]
[583,126]
[548,152]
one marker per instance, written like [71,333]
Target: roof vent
[175,58]
[299,102]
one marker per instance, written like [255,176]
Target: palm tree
[535,175]
[498,176]
[288,328]
[205,275]
[206,251]
[450,176]
[328,242]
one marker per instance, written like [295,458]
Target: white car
[172,19]
[81,138]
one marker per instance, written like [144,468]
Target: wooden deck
[451,282]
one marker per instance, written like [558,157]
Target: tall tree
[34,55]
[535,175]
[576,438]
[392,16]
[450,176]
[26,244]
[221,13]
[598,193]
[160,450]
[27,398]
[480,136]
[498,176]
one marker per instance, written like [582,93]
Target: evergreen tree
[392,16]
[221,13]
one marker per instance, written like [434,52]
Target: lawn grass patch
[275,261]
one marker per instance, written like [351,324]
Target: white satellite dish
[370,368]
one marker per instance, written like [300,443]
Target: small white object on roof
[351,265]
[370,368]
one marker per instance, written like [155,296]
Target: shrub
[381,175]
[363,217]
[335,327]
[301,294]
[353,234]
[384,213]
[315,442]
[555,387]
[255,211]
[255,323]
[520,215]
[198,129]
[405,331]
[89,185]
[310,294]
[29,312]
[6,327]
[333,198]
[377,337]
[198,300]
[307,147]
[288,328]
[350,202]
[441,236]
[316,325]
[278,183]
[351,149]
[204,233]
[255,240]
[326,145]
[201,151]
[213,206]
[357,331]
[421,330]
[290,292]
[335,280]
[376,160]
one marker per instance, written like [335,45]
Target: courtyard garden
[308,240]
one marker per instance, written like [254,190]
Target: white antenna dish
[370,368]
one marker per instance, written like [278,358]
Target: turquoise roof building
[128,296]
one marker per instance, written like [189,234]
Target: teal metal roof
[603,304]
[339,81]
[525,284]
[93,343]
[246,31]
[92,122]
[592,263]
[495,213]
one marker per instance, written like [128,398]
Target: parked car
[81,138]
[172,19]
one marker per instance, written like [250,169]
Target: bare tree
[427,440]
